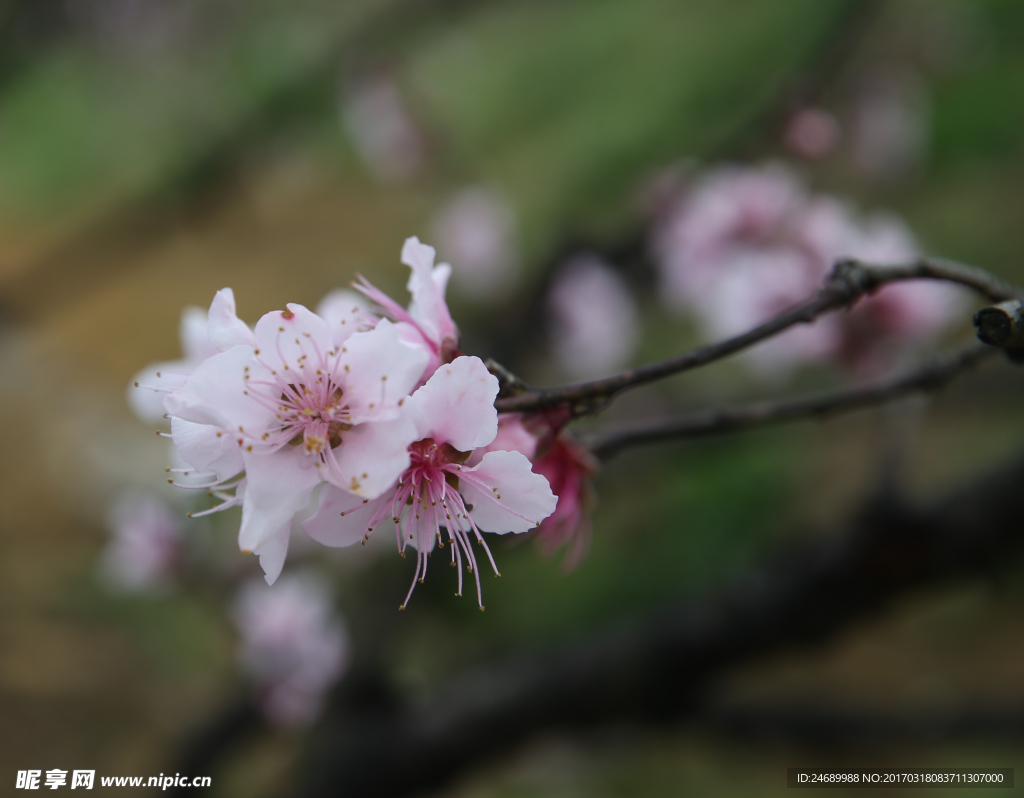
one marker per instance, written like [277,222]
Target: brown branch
[930,377]
[848,281]
[662,667]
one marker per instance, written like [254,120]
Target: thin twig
[930,377]
[848,281]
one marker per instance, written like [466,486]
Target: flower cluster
[743,244]
[375,409]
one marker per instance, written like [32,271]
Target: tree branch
[930,377]
[659,668]
[848,281]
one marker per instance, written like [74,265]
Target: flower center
[307,401]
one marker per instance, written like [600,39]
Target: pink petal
[456,406]
[217,394]
[331,528]
[345,313]
[511,499]
[207,449]
[278,486]
[427,286]
[284,336]
[512,437]
[195,340]
[148,388]
[371,456]
[412,335]
[272,553]
[224,328]
[380,370]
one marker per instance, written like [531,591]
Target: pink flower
[730,208]
[293,410]
[202,335]
[476,229]
[734,258]
[812,133]
[427,322]
[383,133]
[293,646]
[146,544]
[755,285]
[453,414]
[568,468]
[593,318]
[870,334]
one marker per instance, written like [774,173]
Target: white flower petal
[372,456]
[272,553]
[224,328]
[331,528]
[345,313]
[514,499]
[456,406]
[427,286]
[148,388]
[413,336]
[216,394]
[195,340]
[207,448]
[278,486]
[379,370]
[283,337]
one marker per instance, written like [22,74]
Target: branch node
[1001,325]
[508,383]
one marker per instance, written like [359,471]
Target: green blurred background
[153,152]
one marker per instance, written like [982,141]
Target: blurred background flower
[381,129]
[293,646]
[146,544]
[476,233]
[594,327]
[747,243]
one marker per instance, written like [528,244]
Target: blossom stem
[849,281]
[929,377]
